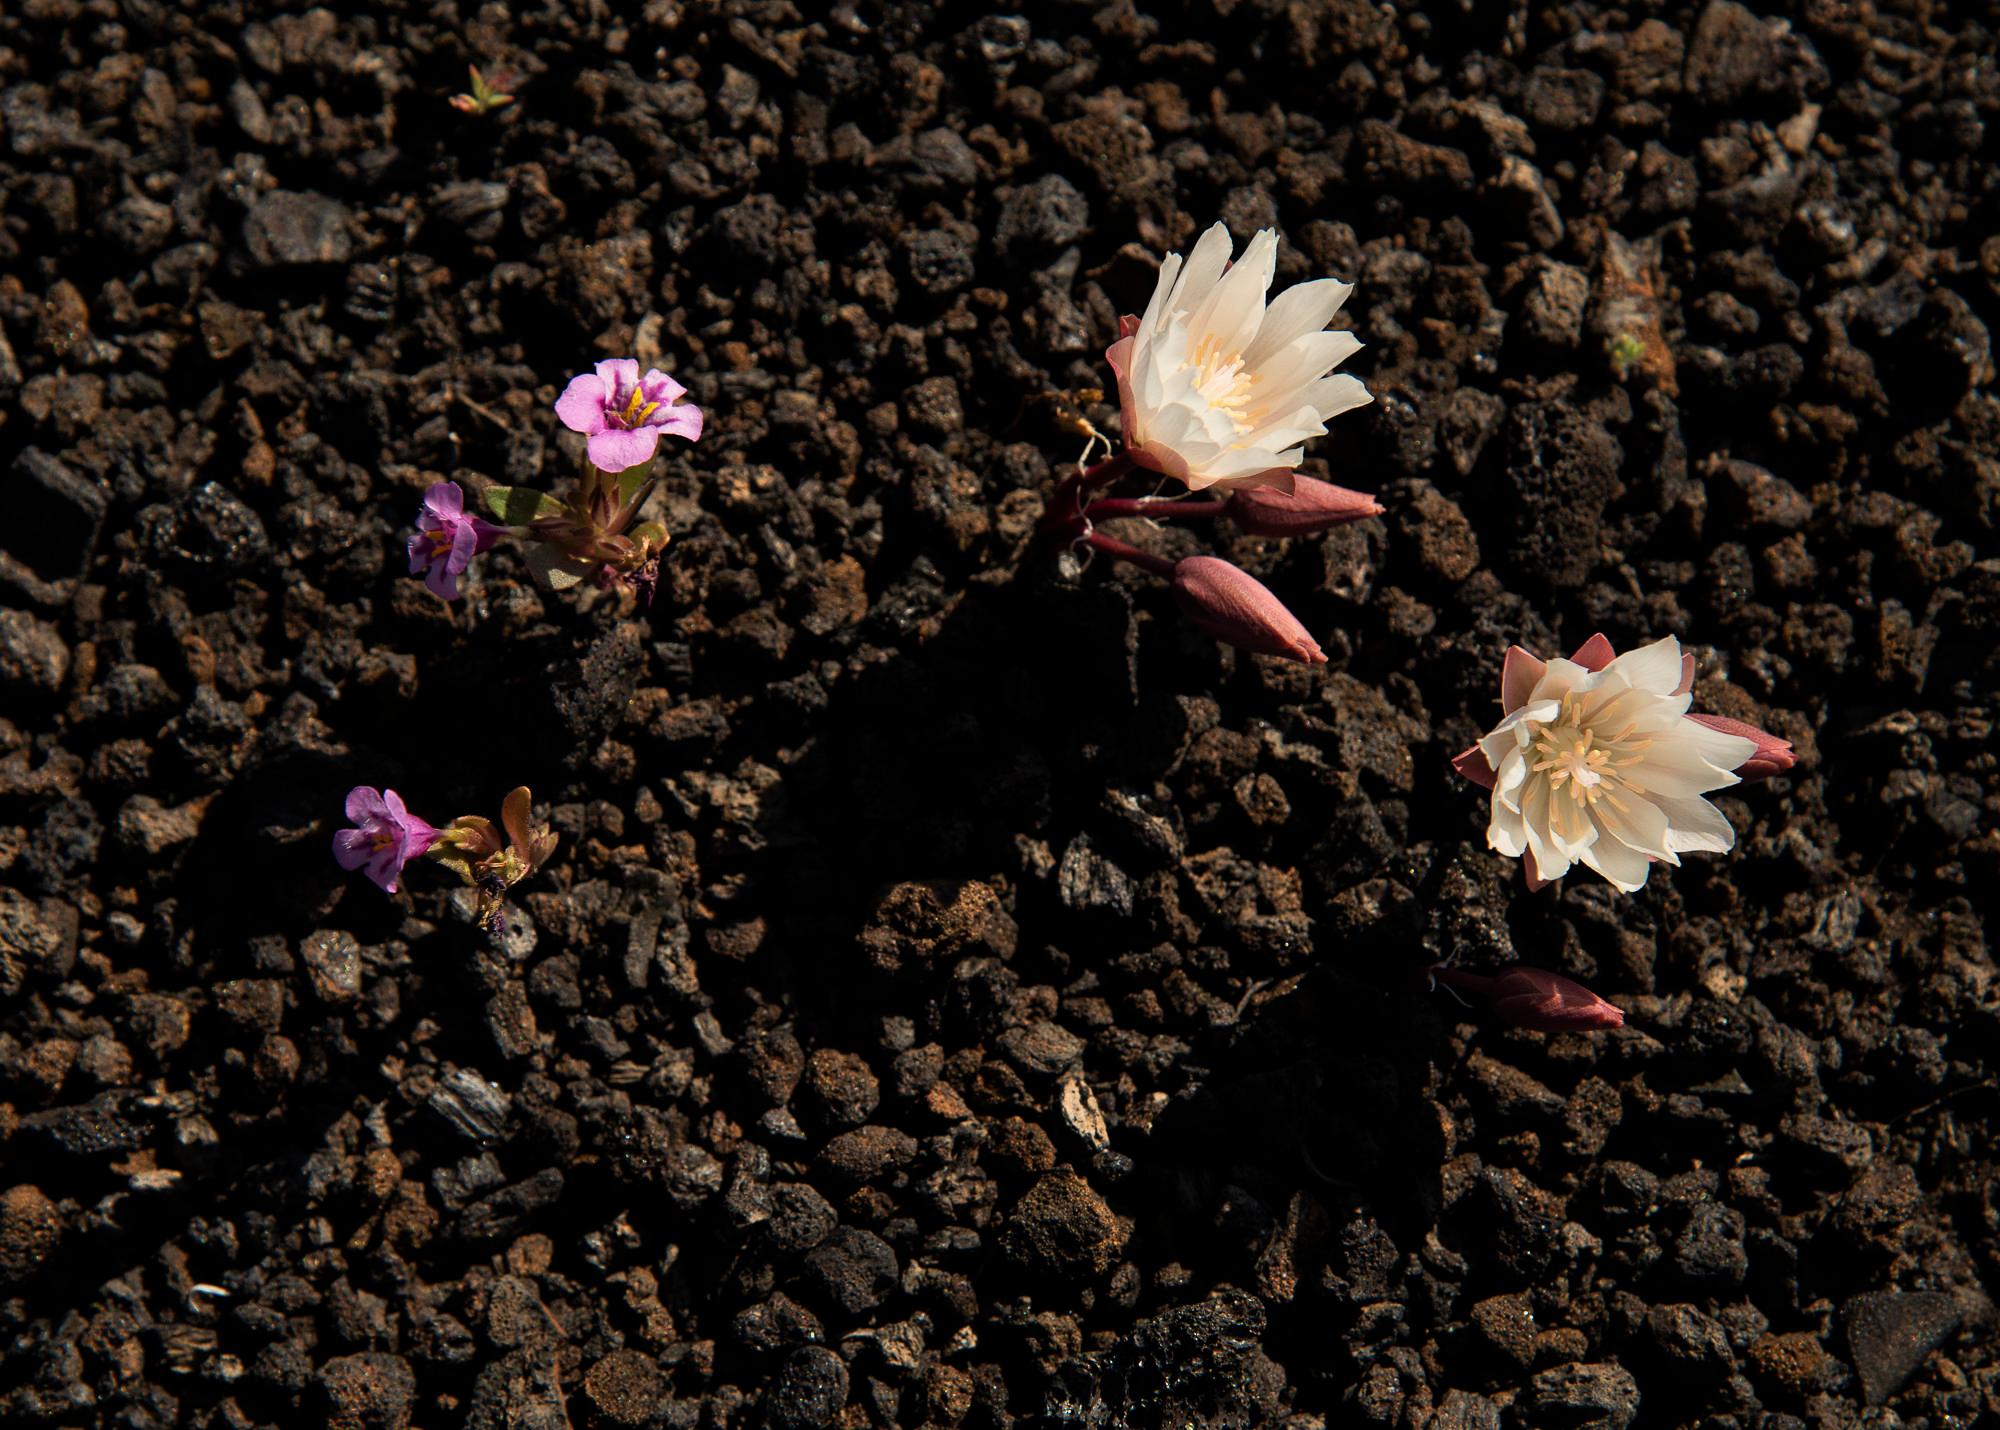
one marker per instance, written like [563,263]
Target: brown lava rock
[625,1388]
[1062,1227]
[30,1227]
[369,1391]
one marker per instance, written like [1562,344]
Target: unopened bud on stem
[1313,506]
[1234,606]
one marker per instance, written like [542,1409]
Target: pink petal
[658,387]
[1474,765]
[444,500]
[1532,873]
[682,419]
[384,868]
[420,551]
[1595,653]
[364,803]
[619,376]
[614,451]
[351,848]
[1128,326]
[1687,676]
[1519,673]
[581,407]
[442,580]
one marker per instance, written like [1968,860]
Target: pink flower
[1535,998]
[389,836]
[1234,606]
[624,414]
[1312,507]
[447,538]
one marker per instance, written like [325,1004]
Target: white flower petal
[1204,268]
[1655,668]
[1301,309]
[1637,822]
[1696,826]
[1620,863]
[1234,310]
[1506,832]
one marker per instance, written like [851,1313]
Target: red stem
[1062,519]
[1105,508]
[1119,551]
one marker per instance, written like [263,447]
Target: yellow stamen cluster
[1221,379]
[637,410]
[1571,755]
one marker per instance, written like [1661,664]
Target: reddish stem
[1120,551]
[1105,508]
[1062,519]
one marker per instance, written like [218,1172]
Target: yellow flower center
[635,411]
[1575,758]
[1222,382]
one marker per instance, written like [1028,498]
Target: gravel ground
[964,994]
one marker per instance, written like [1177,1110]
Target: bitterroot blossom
[1218,390]
[389,836]
[1215,388]
[1534,998]
[447,538]
[386,837]
[592,531]
[1596,761]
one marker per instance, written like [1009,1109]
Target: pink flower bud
[1773,756]
[1535,998]
[1313,506]
[1234,606]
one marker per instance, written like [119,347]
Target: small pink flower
[1234,606]
[1312,507]
[447,538]
[1535,998]
[388,837]
[624,414]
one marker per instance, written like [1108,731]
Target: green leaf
[517,506]
[556,570]
[630,480]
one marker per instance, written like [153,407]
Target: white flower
[1596,763]
[1218,390]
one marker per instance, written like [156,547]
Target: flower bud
[1313,506]
[1234,606]
[1772,756]
[1536,998]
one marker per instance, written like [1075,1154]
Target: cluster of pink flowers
[590,533]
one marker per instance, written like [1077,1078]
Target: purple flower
[446,539]
[624,414]
[388,838]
